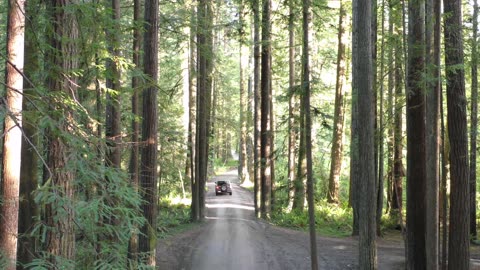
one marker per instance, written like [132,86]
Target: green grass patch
[330,220]
[173,217]
[224,166]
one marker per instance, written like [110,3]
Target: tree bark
[244,173]
[27,245]
[192,99]
[60,240]
[12,140]
[390,108]
[148,167]
[266,98]
[135,151]
[432,142]
[257,108]
[458,245]
[339,116]
[474,125]
[380,129]
[362,82]
[204,97]
[416,170]
[299,184]
[113,122]
[308,133]
[292,105]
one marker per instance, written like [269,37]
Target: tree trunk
[354,162]
[363,83]
[60,240]
[244,174]
[27,245]
[148,168]
[432,142]
[299,184]
[416,171]
[458,244]
[355,143]
[12,140]
[339,116]
[380,129]
[390,108]
[134,156]
[308,133]
[266,128]
[257,108]
[443,194]
[398,168]
[292,105]
[192,99]
[474,126]
[113,122]
[113,156]
[204,96]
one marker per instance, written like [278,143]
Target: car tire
[230,193]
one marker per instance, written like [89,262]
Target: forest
[343,118]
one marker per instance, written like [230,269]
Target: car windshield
[220,183]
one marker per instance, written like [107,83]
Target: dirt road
[233,239]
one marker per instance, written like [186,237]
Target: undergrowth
[173,217]
[329,221]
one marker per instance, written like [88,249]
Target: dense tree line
[110,109]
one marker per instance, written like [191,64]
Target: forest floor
[232,238]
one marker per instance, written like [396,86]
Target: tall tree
[112,123]
[432,143]
[244,173]
[134,156]
[292,105]
[301,175]
[308,131]
[339,115]
[380,129]
[474,124]
[204,99]
[257,107]
[148,168]
[390,108]
[29,210]
[416,171]
[12,140]
[362,82]
[398,169]
[63,61]
[438,85]
[113,156]
[458,244]
[266,100]
[192,99]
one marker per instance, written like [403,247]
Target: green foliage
[173,216]
[106,210]
[329,221]
[222,166]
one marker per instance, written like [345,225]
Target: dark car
[223,187]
